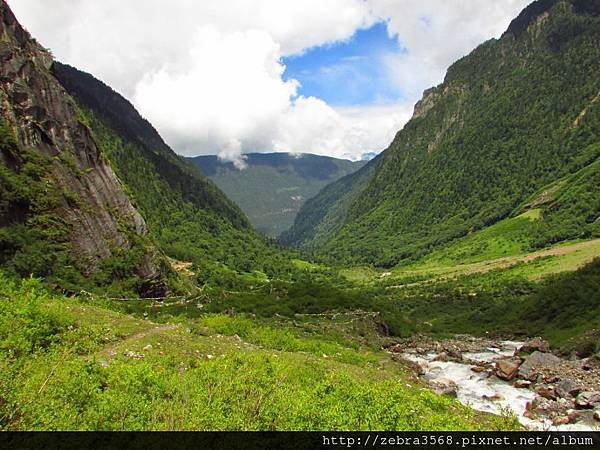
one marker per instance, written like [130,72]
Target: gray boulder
[588,400]
[535,362]
[567,389]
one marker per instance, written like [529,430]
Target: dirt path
[112,349]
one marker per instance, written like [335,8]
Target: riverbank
[543,390]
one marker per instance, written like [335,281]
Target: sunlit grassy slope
[74,364]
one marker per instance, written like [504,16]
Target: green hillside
[135,295]
[516,115]
[191,219]
[272,187]
[63,213]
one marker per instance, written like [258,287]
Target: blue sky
[350,72]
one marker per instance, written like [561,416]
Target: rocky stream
[544,391]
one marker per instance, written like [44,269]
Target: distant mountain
[515,125]
[273,186]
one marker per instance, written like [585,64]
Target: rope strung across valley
[181,300]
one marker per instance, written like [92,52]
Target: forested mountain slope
[63,212]
[273,186]
[513,118]
[188,215]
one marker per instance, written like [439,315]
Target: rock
[588,400]
[561,421]
[585,417]
[534,345]
[441,357]
[99,215]
[147,347]
[535,362]
[597,415]
[453,352]
[522,384]
[567,388]
[593,362]
[507,369]
[396,348]
[546,392]
[541,407]
[478,369]
[492,398]
[444,386]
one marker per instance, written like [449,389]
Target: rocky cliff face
[43,118]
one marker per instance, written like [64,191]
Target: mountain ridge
[64,214]
[191,219]
[272,187]
[458,165]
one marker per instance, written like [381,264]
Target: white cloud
[233,152]
[312,126]
[438,32]
[229,88]
[208,74]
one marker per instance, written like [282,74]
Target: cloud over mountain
[209,75]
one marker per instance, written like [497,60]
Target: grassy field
[68,364]
[285,355]
[503,247]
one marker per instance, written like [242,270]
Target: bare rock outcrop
[45,119]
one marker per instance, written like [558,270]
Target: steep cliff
[63,212]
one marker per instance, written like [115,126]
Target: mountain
[190,218]
[63,212]
[273,186]
[513,127]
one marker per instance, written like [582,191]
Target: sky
[227,77]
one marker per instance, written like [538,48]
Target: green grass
[70,365]
[508,237]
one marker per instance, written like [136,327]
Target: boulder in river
[507,369]
[567,388]
[441,357]
[534,345]
[588,400]
[444,386]
[535,362]
[522,384]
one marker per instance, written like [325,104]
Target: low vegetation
[68,364]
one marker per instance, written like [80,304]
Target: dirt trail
[157,329]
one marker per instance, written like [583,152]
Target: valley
[271,188]
[450,283]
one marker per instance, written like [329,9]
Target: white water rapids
[484,393]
